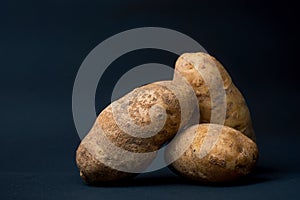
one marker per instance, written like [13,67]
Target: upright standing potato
[237,113]
[127,133]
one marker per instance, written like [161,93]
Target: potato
[237,113]
[222,154]
[127,134]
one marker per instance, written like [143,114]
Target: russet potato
[231,154]
[237,112]
[127,134]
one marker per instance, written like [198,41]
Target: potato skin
[92,171]
[93,154]
[237,112]
[232,156]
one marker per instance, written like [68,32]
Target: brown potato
[126,134]
[237,113]
[222,154]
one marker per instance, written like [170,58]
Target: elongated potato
[230,154]
[127,133]
[237,116]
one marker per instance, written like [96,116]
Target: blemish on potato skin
[216,161]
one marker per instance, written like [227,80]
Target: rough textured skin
[98,161]
[92,170]
[232,156]
[237,114]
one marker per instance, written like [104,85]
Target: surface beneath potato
[231,154]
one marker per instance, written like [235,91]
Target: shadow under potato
[259,175]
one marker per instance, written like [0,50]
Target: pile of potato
[145,119]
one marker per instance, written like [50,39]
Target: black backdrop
[43,43]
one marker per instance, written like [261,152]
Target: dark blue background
[42,45]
